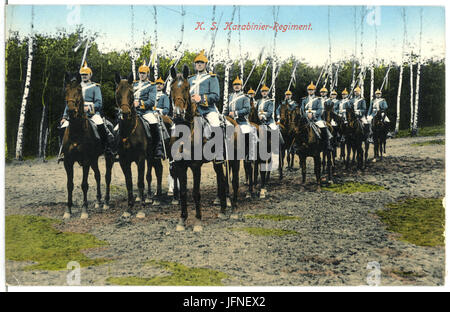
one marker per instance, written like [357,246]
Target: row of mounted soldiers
[150,102]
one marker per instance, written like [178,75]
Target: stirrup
[61,158]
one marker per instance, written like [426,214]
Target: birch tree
[23,108]
[399,92]
[416,105]
[228,63]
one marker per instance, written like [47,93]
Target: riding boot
[107,139]
[328,137]
[370,134]
[61,132]
[158,151]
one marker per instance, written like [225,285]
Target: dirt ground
[339,233]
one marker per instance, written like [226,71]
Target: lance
[276,75]
[321,72]
[253,67]
[85,52]
[263,76]
[385,77]
[293,75]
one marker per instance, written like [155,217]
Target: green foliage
[272,217]
[423,132]
[420,221]
[265,232]
[353,187]
[54,55]
[32,238]
[181,276]
[431,142]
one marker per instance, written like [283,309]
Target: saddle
[94,129]
[146,127]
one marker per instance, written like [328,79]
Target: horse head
[73,95]
[125,95]
[180,93]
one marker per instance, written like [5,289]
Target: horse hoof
[175,202]
[374,160]
[262,194]
[97,205]
[140,215]
[66,215]
[216,201]
[228,202]
[180,228]
[156,202]
[234,216]
[105,207]
[137,200]
[148,201]
[221,216]
[198,228]
[126,214]
[248,195]
[84,215]
[170,193]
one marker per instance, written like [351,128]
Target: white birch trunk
[156,44]
[399,93]
[411,91]
[225,84]
[416,105]
[372,78]
[19,144]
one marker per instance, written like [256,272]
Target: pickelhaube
[85,69]
[201,57]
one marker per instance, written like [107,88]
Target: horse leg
[141,186]
[366,152]
[196,172]
[176,192]
[303,165]
[317,170]
[264,176]
[85,187]
[235,165]
[148,177]
[221,186]
[109,165]
[126,168]
[181,173]
[281,162]
[97,180]
[159,173]
[249,174]
[68,165]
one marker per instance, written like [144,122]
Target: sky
[382,28]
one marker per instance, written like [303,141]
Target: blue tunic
[377,104]
[207,86]
[265,108]
[145,93]
[238,103]
[292,105]
[92,96]
[313,104]
[359,105]
[163,103]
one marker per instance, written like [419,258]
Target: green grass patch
[258,231]
[117,190]
[420,221]
[181,276]
[353,187]
[431,142]
[32,238]
[272,217]
[425,131]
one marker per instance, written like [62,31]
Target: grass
[420,221]
[353,187]
[117,190]
[422,132]
[431,142]
[272,217]
[265,232]
[181,276]
[32,238]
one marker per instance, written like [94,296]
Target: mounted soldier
[205,91]
[251,95]
[291,104]
[359,105]
[265,109]
[145,104]
[93,107]
[341,106]
[378,104]
[312,108]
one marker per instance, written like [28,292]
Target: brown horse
[355,136]
[329,158]
[183,115]
[81,145]
[380,131]
[286,119]
[307,144]
[133,144]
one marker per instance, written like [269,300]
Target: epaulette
[191,75]
[152,83]
[97,84]
[212,74]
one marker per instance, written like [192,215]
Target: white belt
[91,106]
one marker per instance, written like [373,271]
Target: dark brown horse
[183,117]
[286,119]
[133,144]
[380,131]
[81,145]
[355,137]
[333,121]
[307,144]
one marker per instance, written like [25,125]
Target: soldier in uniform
[291,104]
[341,106]
[312,108]
[325,102]
[238,106]
[333,99]
[93,106]
[145,104]
[359,105]
[265,109]
[378,104]
[251,96]
[205,91]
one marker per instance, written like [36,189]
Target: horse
[355,136]
[335,125]
[286,117]
[307,144]
[81,145]
[380,131]
[183,115]
[133,145]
